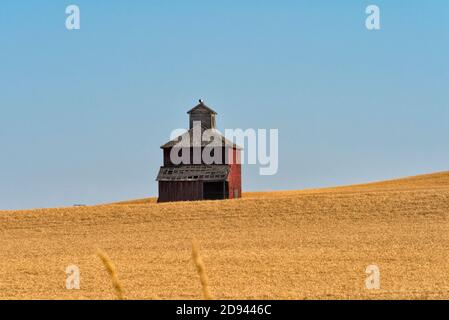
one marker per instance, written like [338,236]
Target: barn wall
[168,163]
[235,175]
[180,191]
[193,190]
[167,151]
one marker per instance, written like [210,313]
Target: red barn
[197,177]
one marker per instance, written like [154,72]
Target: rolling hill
[308,244]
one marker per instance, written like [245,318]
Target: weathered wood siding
[180,191]
[224,159]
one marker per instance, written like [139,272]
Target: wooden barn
[196,179]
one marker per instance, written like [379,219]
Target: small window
[236,193]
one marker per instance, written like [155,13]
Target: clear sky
[83,113]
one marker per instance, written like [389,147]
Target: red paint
[235,176]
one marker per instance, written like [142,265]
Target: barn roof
[188,140]
[201,108]
[200,172]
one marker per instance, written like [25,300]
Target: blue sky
[83,113]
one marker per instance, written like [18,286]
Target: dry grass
[201,269]
[110,268]
[294,245]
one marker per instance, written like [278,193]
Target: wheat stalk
[201,269]
[110,268]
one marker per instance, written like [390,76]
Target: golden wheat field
[311,244]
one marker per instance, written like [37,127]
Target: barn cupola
[204,114]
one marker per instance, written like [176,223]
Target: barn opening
[214,190]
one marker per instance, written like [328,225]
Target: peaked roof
[201,108]
[188,139]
